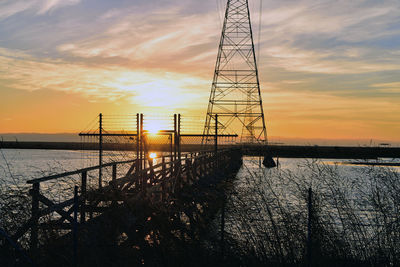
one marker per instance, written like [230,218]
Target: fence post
[194,168]
[35,218]
[175,134]
[163,178]
[142,177]
[189,170]
[75,226]
[216,134]
[171,159]
[178,139]
[114,183]
[138,153]
[83,196]
[100,149]
[309,227]
[114,175]
[175,142]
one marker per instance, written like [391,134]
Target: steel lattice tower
[235,93]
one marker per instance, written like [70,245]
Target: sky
[328,69]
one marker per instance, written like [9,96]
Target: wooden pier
[158,183]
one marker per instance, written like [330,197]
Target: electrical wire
[259,29]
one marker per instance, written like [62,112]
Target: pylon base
[269,162]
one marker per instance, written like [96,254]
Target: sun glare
[153,155]
[153,125]
[152,128]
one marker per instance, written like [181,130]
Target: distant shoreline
[74,138]
[388,164]
[283,151]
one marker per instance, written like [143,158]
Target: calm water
[19,165]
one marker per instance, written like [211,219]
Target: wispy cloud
[48,5]
[306,36]
[163,39]
[11,7]
[335,60]
[393,87]
[25,72]
[331,37]
[346,20]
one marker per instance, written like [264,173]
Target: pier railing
[144,180]
[61,212]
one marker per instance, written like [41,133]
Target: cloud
[345,20]
[301,36]
[163,39]
[9,8]
[25,72]
[331,37]
[341,60]
[48,5]
[393,87]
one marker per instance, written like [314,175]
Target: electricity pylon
[235,93]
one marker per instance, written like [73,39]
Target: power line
[259,28]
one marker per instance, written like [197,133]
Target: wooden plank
[131,169]
[56,207]
[69,211]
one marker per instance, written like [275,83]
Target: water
[19,165]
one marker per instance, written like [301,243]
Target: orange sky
[327,72]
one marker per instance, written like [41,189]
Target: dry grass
[355,216]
